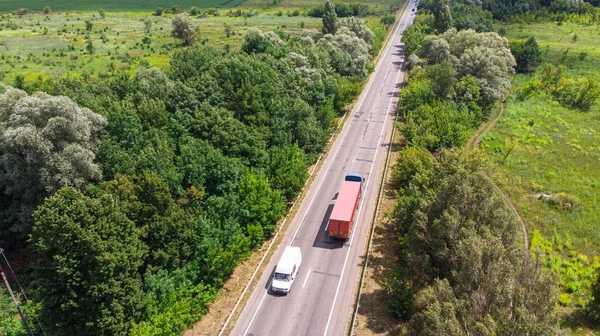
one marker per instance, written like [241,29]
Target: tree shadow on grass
[577,319]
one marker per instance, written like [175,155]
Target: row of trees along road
[462,268]
[137,196]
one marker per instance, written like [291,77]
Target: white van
[286,270]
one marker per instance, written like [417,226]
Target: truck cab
[355,178]
[286,270]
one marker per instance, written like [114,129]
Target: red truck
[342,216]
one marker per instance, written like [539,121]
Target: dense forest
[463,267]
[134,197]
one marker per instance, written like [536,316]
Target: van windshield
[282,276]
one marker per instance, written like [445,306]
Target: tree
[483,55]
[330,21]
[288,171]
[86,271]
[47,10]
[88,25]
[442,15]
[89,46]
[175,9]
[526,54]
[184,29]
[593,307]
[435,311]
[46,143]
[255,41]
[412,37]
[168,231]
[158,11]
[260,207]
[443,77]
[102,13]
[148,25]
[358,27]
[462,254]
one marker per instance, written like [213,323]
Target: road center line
[361,206]
[305,280]
[358,107]
[256,312]
[361,100]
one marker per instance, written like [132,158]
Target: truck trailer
[342,216]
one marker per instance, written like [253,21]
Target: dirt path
[473,143]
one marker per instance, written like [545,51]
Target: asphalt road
[322,296]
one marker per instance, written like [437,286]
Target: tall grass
[552,174]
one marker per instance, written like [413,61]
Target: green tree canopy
[330,21]
[46,143]
[184,29]
[86,270]
[442,16]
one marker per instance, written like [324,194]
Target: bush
[527,54]
[22,11]
[400,298]
[47,10]
[388,20]
[158,11]
[580,93]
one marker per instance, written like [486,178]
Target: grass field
[55,44]
[150,5]
[36,44]
[114,6]
[556,156]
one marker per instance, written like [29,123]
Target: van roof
[287,260]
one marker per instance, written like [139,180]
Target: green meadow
[37,45]
[55,44]
[548,158]
[115,6]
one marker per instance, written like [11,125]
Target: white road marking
[255,313]
[360,103]
[359,211]
[361,100]
[305,280]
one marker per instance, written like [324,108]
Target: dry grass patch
[373,315]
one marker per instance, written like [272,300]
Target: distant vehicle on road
[342,216]
[286,270]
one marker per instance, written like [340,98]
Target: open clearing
[122,5]
[556,154]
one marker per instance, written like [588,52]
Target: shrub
[388,20]
[400,298]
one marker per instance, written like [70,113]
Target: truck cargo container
[342,216]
